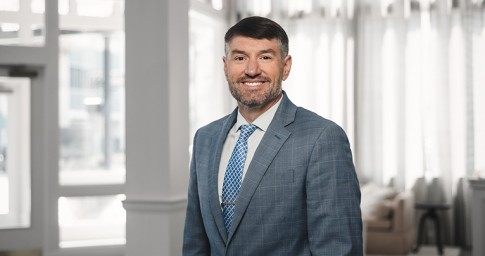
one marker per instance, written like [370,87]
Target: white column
[157,125]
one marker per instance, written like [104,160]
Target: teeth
[253,83]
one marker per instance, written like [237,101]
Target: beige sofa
[391,225]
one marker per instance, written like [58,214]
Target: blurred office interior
[100,99]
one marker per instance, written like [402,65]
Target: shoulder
[298,118]
[308,120]
[309,126]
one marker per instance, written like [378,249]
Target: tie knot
[247,130]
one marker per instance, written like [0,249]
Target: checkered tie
[233,176]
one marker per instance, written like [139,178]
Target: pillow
[375,201]
[382,210]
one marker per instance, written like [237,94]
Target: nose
[252,68]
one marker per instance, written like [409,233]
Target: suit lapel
[270,145]
[214,174]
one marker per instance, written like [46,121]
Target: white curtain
[322,77]
[404,79]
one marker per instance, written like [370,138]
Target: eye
[266,57]
[239,58]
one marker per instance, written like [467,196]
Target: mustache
[258,77]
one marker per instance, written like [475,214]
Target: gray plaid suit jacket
[300,195]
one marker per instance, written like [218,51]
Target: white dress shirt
[262,122]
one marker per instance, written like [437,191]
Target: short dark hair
[259,28]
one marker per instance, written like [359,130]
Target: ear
[224,59]
[286,66]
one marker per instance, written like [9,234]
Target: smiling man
[271,178]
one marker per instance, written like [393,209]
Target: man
[270,178]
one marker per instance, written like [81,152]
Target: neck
[252,113]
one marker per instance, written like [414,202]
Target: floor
[22,253]
[425,251]
[466,253]
[432,251]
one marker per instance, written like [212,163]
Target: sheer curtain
[422,89]
[322,78]
[403,78]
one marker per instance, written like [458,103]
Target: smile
[253,83]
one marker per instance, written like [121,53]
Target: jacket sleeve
[333,197]
[195,241]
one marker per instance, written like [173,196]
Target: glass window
[89,221]
[22,24]
[95,8]
[91,122]
[37,6]
[209,98]
[14,153]
[91,105]
[10,5]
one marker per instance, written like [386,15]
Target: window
[21,23]
[91,123]
[91,98]
[15,202]
[91,220]
[209,97]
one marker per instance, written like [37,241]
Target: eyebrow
[269,50]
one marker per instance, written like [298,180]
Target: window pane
[37,6]
[89,221]
[207,88]
[96,8]
[15,199]
[91,98]
[22,26]
[4,182]
[10,5]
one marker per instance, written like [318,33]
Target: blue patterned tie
[233,176]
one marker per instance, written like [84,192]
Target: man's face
[254,70]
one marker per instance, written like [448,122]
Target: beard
[256,99]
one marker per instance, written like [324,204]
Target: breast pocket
[278,187]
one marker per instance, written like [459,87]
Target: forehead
[248,44]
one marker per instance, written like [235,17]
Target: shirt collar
[262,122]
